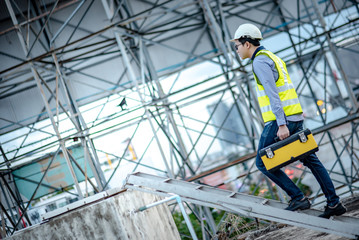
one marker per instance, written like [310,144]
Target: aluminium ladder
[243,204]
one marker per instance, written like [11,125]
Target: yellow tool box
[293,148]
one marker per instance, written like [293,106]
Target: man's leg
[323,178]
[278,176]
[334,206]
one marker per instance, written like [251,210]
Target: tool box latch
[302,137]
[269,153]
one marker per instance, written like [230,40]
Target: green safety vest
[285,87]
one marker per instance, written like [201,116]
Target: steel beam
[38,82]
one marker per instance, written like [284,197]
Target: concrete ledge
[110,218]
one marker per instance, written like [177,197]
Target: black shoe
[337,210]
[298,204]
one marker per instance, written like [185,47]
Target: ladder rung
[232,194]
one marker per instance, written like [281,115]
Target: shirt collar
[255,52]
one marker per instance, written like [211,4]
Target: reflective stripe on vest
[285,88]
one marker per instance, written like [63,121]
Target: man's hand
[283,132]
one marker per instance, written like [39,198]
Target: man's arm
[263,67]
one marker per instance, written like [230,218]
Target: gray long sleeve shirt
[267,74]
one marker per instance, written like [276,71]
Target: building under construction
[115,115]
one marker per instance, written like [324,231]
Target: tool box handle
[302,137]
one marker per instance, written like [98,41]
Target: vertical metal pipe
[67,21]
[216,32]
[38,82]
[14,219]
[4,156]
[332,48]
[60,78]
[16,25]
[17,199]
[187,219]
[28,53]
[168,111]
[88,159]
[248,111]
[3,211]
[62,143]
[80,125]
[2,227]
[38,186]
[134,79]
[210,220]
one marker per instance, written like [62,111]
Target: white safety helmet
[247,30]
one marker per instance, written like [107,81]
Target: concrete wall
[111,218]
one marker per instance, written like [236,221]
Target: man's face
[241,49]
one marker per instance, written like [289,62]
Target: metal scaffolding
[157,86]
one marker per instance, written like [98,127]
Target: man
[282,115]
